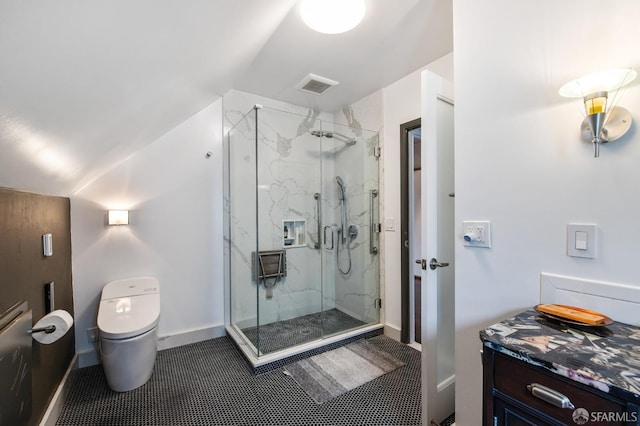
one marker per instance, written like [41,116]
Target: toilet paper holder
[47,330]
[51,327]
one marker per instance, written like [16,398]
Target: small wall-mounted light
[118,217]
[604,122]
[47,245]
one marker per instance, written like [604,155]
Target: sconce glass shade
[118,217]
[603,81]
[604,122]
[595,103]
[332,16]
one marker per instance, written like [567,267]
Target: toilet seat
[126,317]
[128,308]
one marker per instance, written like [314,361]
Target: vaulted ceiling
[84,84]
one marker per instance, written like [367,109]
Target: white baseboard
[92,357]
[55,406]
[192,336]
[392,332]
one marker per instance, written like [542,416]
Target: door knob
[433,264]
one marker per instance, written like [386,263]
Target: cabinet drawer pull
[549,395]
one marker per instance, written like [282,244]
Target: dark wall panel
[24,270]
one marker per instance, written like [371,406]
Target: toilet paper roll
[62,320]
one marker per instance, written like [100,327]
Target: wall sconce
[118,217]
[604,122]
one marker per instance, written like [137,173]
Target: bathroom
[506,109]
[173,190]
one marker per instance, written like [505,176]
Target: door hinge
[377,152]
[378,303]
[377,227]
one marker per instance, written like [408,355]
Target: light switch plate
[389,224]
[577,245]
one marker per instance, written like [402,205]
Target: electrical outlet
[476,233]
[92,334]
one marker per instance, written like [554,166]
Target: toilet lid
[124,317]
[130,287]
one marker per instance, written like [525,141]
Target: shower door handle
[318,201]
[328,247]
[373,227]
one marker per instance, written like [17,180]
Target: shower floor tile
[285,334]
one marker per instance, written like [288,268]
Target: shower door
[288,181]
[303,195]
[350,240]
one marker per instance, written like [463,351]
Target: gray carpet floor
[332,373]
[209,383]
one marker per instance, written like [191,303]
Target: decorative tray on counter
[573,315]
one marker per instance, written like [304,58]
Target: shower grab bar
[373,227]
[318,211]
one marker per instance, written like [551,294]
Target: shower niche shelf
[294,233]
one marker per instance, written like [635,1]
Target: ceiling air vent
[315,84]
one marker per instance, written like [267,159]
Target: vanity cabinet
[509,401]
[539,371]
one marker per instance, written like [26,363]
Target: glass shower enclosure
[303,230]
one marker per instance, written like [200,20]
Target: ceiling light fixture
[604,122]
[332,16]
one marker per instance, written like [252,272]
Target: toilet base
[128,363]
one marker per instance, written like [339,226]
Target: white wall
[401,102]
[174,194]
[521,164]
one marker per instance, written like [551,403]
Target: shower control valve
[353,231]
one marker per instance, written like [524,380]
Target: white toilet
[127,323]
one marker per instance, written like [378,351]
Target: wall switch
[389,224]
[581,240]
[49,297]
[476,233]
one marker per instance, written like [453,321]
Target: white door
[438,316]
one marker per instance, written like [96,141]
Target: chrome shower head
[334,135]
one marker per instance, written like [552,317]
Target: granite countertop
[606,358]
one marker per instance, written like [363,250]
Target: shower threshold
[267,362]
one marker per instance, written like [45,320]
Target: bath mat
[330,374]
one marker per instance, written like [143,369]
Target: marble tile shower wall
[351,295]
[288,177]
